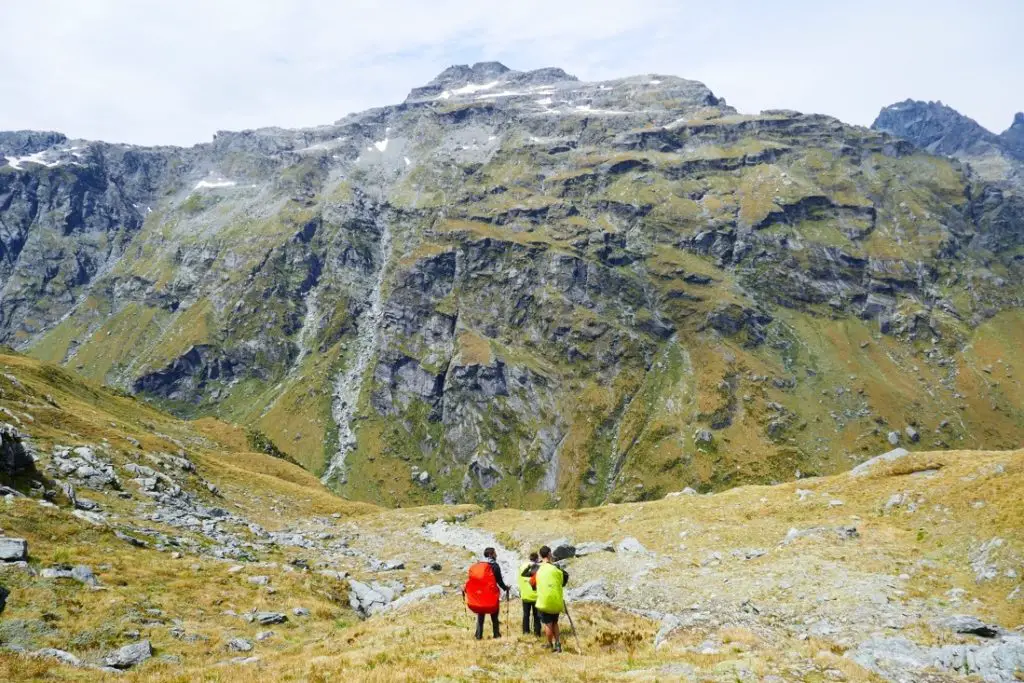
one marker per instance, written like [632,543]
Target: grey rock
[970,625]
[630,545]
[15,458]
[912,434]
[264,635]
[13,549]
[669,624]
[899,658]
[60,655]
[592,591]
[129,656]
[367,600]
[894,438]
[413,597]
[4,594]
[79,573]
[259,580]
[300,612]
[703,436]
[239,645]
[865,467]
[592,547]
[269,618]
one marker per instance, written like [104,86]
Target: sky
[175,72]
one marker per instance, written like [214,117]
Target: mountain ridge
[533,290]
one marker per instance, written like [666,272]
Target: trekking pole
[574,633]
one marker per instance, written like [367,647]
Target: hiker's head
[534,557]
[490,554]
[545,552]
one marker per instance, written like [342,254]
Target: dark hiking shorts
[546,618]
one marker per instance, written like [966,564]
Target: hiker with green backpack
[529,595]
[549,579]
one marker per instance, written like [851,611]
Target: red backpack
[482,595]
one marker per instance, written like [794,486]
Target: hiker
[549,580]
[483,591]
[529,594]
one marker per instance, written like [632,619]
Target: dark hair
[489,552]
[545,551]
[533,557]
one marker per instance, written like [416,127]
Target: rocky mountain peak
[933,126]
[1013,137]
[19,142]
[462,79]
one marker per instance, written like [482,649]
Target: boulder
[894,438]
[129,655]
[13,549]
[703,436]
[60,655]
[4,593]
[630,545]
[865,467]
[239,645]
[591,547]
[562,550]
[15,458]
[912,434]
[268,618]
[969,625]
[414,597]
[366,600]
[592,591]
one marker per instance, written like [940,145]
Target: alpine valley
[516,288]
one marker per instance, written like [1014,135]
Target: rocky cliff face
[518,287]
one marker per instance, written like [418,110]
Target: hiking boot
[557,647]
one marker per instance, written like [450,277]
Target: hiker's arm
[497,577]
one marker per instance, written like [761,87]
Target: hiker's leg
[479,626]
[494,623]
[556,633]
[527,608]
[536,619]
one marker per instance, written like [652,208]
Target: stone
[4,594]
[894,438]
[300,612]
[969,625]
[13,549]
[129,656]
[912,434]
[264,635]
[366,600]
[414,597]
[562,551]
[866,466]
[60,655]
[703,436]
[239,645]
[259,580]
[591,547]
[630,545]
[269,618]
[15,458]
[591,591]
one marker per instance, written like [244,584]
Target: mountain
[940,129]
[171,550]
[520,288]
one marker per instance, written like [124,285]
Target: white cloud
[150,71]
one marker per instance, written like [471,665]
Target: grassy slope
[963,498]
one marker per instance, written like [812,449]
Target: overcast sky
[176,71]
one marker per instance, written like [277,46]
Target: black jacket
[497,574]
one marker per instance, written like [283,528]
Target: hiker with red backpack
[483,591]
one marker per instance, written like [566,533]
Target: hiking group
[540,582]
